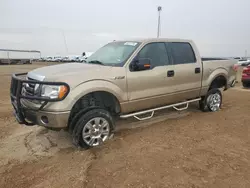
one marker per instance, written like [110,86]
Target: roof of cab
[146,40]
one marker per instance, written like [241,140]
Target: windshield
[113,54]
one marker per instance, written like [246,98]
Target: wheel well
[218,82]
[99,99]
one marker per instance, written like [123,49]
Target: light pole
[159,8]
[65,42]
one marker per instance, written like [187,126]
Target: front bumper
[47,119]
[30,116]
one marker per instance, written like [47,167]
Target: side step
[152,111]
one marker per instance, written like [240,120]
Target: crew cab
[120,80]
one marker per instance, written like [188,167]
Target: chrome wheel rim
[214,102]
[96,131]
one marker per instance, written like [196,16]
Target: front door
[149,88]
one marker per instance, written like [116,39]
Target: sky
[70,27]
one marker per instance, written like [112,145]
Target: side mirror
[140,64]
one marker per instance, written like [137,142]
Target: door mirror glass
[140,64]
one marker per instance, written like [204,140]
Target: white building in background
[10,56]
[19,54]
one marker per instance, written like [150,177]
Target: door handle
[170,73]
[197,70]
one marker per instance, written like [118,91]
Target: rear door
[187,70]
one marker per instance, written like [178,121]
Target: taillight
[246,70]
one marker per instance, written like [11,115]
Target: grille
[30,89]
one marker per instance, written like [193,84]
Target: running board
[175,106]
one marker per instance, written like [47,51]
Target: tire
[202,104]
[245,84]
[212,101]
[97,125]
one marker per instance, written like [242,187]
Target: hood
[73,73]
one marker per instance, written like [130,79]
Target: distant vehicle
[57,59]
[246,63]
[42,59]
[84,56]
[77,59]
[120,80]
[87,54]
[245,79]
[71,58]
[65,59]
[49,58]
[243,62]
[82,59]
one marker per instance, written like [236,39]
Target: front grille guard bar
[17,84]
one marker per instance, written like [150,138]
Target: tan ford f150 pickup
[120,80]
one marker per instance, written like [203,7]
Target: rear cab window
[181,52]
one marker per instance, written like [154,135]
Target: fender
[217,72]
[100,85]
[208,79]
[88,87]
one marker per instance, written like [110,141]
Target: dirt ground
[187,149]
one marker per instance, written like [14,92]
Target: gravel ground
[188,149]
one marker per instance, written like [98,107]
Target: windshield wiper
[96,62]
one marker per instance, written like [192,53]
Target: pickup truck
[120,80]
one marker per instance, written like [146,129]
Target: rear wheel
[245,84]
[93,128]
[212,101]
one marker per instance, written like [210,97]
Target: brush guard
[16,94]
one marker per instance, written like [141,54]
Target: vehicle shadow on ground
[159,116]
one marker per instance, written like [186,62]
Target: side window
[182,52]
[156,52]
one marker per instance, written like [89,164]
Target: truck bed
[215,66]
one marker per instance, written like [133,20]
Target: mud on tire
[93,128]
[212,101]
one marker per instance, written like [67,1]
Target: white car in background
[244,62]
[57,59]
[87,54]
[49,58]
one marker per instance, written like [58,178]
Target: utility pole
[159,8]
[8,54]
[65,42]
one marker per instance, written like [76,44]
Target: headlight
[54,92]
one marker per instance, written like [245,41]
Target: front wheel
[212,101]
[93,128]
